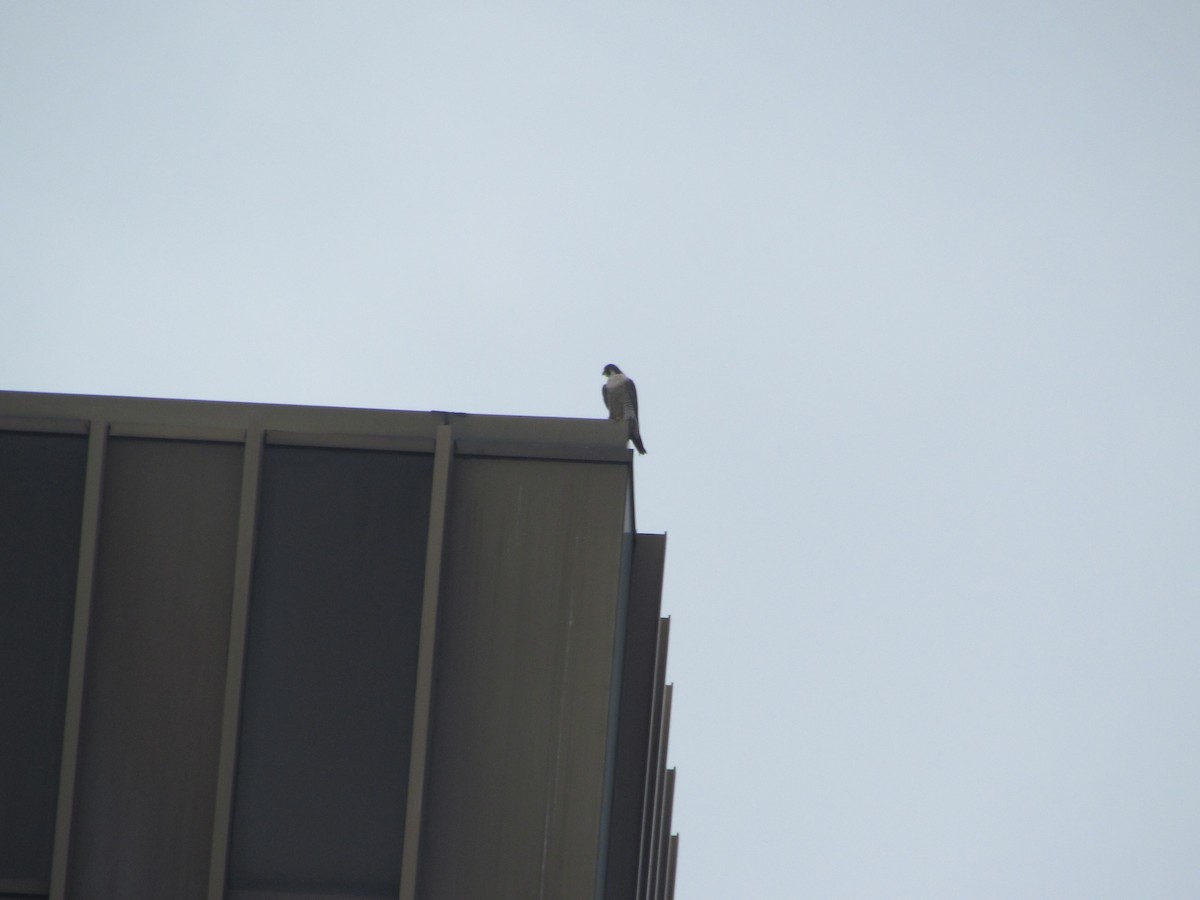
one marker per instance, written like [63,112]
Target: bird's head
[610,369]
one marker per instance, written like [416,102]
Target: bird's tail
[635,435]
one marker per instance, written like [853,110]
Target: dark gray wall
[218,651]
[41,501]
[331,652]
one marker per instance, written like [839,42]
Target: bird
[620,396]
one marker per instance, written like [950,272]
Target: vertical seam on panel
[84,582]
[243,570]
[672,865]
[664,839]
[423,700]
[661,824]
[652,783]
[620,633]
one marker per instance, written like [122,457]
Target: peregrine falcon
[620,396]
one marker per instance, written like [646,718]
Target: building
[270,653]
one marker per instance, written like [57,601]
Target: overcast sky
[910,292]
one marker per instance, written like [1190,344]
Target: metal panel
[663,797]
[235,663]
[42,424]
[423,692]
[672,865]
[85,570]
[41,502]
[536,687]
[351,441]
[662,879]
[330,667]
[599,433]
[636,710]
[528,449]
[155,674]
[177,432]
[655,754]
[23,888]
[524,677]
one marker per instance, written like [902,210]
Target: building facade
[291,653]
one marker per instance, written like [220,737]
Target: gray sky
[910,294]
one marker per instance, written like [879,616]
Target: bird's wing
[604,394]
[632,394]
